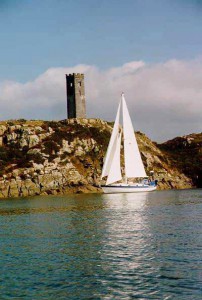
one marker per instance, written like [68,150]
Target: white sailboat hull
[127,188]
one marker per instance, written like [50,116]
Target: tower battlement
[76,74]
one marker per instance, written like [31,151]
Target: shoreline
[63,157]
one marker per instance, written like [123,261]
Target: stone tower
[76,103]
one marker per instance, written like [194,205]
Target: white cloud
[165,99]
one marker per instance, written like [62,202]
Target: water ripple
[145,246]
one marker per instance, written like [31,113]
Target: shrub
[51,147]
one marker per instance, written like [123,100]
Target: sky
[150,49]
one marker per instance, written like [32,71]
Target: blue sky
[36,35]
[150,49]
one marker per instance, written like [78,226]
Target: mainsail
[133,162]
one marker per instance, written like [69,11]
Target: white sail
[115,168]
[112,145]
[133,162]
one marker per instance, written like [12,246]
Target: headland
[59,157]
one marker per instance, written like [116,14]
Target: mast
[132,159]
[133,162]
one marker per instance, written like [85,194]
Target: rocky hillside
[186,154]
[41,157]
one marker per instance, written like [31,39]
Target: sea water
[93,246]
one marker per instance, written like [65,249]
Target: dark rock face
[186,154]
[41,157]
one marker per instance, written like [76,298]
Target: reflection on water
[120,246]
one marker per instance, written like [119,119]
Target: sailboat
[118,178]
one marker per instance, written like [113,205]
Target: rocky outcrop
[41,157]
[157,163]
[185,153]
